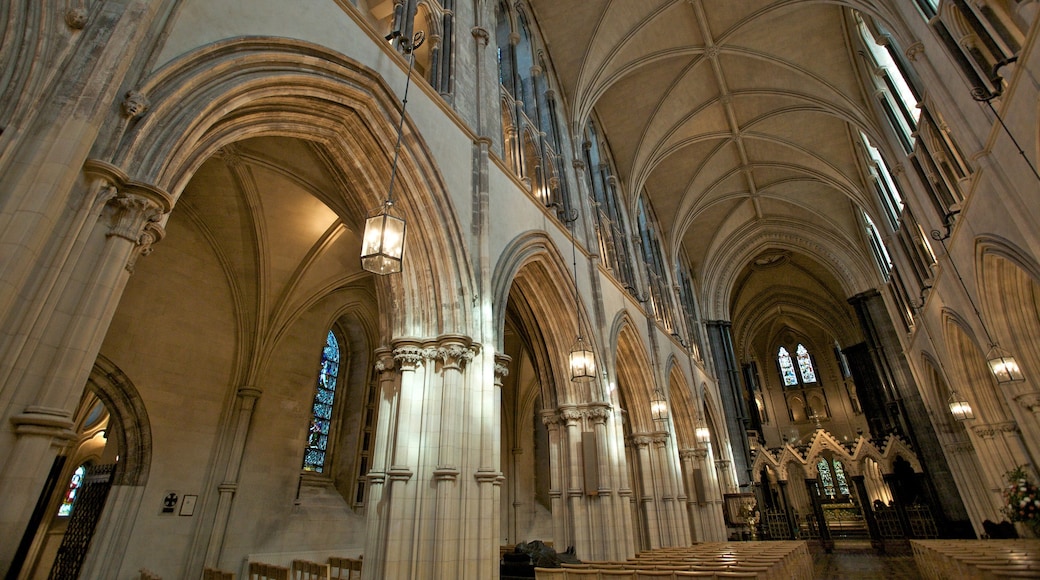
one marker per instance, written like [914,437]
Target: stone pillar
[401,495]
[382,456]
[51,374]
[720,342]
[561,531]
[572,418]
[694,490]
[813,488]
[785,497]
[900,503]
[859,482]
[489,476]
[453,352]
[647,502]
[666,507]
[606,522]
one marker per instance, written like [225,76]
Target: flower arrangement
[1022,499]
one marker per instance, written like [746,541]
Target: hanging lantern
[703,436]
[1003,366]
[960,409]
[382,248]
[659,407]
[583,362]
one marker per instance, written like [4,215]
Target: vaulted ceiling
[740,120]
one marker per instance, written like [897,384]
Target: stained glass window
[786,368]
[805,365]
[321,420]
[825,476]
[70,494]
[839,474]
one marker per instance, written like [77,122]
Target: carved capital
[481,34]
[641,441]
[571,415]
[384,360]
[993,429]
[455,352]
[130,214]
[578,165]
[550,418]
[598,414]
[485,475]
[410,357]
[501,367]
[914,50]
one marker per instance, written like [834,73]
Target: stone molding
[453,351]
[992,429]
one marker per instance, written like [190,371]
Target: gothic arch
[531,267]
[199,106]
[635,377]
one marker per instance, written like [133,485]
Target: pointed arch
[257,86]
[532,270]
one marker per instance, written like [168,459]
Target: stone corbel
[1029,401]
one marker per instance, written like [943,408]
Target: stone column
[868,513]
[50,378]
[647,502]
[561,531]
[376,531]
[606,522]
[401,495]
[670,528]
[785,497]
[813,488]
[572,418]
[693,492]
[489,476]
[453,352]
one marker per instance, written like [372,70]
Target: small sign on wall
[188,505]
[169,503]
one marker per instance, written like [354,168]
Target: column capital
[455,351]
[501,367]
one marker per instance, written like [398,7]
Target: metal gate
[84,518]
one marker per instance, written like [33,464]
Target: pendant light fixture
[1001,363]
[960,408]
[659,407]
[582,360]
[382,247]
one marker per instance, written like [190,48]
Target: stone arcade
[791,232]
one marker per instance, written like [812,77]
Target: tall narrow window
[321,419]
[877,247]
[825,477]
[805,365]
[786,368]
[839,476]
[69,500]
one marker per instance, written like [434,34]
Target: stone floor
[857,561]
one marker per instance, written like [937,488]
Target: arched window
[877,247]
[321,417]
[805,366]
[69,500]
[783,358]
[832,476]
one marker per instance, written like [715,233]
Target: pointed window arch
[783,358]
[805,366]
[69,501]
[321,416]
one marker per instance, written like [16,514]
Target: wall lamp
[984,95]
